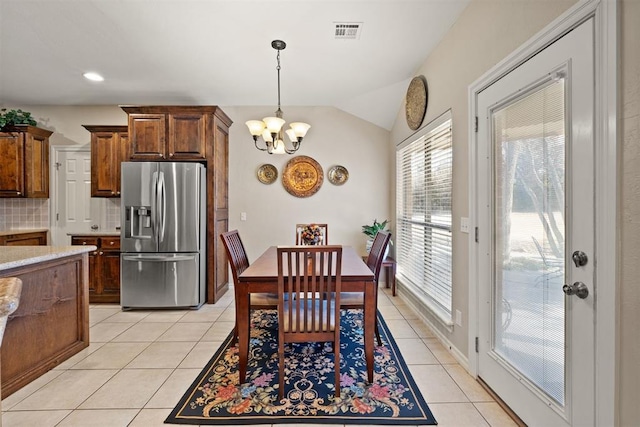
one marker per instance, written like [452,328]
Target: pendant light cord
[279,111]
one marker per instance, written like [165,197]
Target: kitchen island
[51,323]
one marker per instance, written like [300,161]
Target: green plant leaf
[15,117]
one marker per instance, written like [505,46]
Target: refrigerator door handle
[162,207]
[158,258]
[154,208]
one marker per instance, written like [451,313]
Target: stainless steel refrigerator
[163,235]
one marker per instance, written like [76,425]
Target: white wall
[335,138]
[485,33]
[629,311]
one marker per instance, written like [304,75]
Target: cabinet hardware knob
[18,193]
[101,253]
[112,242]
[170,154]
[84,242]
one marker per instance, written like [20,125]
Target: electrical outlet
[464,225]
[458,318]
[243,216]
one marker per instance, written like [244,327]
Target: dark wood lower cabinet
[104,268]
[51,323]
[37,238]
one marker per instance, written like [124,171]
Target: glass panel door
[529,245]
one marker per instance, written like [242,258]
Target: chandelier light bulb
[255,127]
[291,134]
[273,124]
[300,129]
[267,136]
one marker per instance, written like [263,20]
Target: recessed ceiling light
[94,77]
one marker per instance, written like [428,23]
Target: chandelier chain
[279,111]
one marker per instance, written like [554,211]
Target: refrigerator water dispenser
[138,222]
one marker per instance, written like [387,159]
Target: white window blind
[423,215]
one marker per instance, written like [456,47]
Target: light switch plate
[243,216]
[458,318]
[464,224]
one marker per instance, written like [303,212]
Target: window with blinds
[424,166]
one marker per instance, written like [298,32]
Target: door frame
[606,191]
[53,178]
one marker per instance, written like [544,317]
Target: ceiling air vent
[348,30]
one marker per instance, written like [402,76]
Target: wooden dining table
[262,277]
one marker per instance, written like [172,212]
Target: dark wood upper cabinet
[24,162]
[187,138]
[109,147]
[147,136]
[169,132]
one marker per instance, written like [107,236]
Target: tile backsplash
[18,214]
[24,213]
[112,214]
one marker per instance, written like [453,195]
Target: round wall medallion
[302,176]
[416,102]
[338,175]
[267,174]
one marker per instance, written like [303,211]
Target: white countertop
[17,256]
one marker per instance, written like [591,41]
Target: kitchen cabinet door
[187,136]
[11,164]
[24,162]
[108,150]
[147,136]
[36,164]
[38,238]
[104,268]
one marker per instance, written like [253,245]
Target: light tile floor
[140,363]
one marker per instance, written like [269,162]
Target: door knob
[578,288]
[579,258]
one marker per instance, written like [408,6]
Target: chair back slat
[235,253]
[376,254]
[309,283]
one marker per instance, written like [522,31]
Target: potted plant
[372,230]
[15,117]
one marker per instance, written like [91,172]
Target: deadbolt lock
[579,258]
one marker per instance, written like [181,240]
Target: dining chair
[239,262]
[374,262]
[309,284]
[324,228]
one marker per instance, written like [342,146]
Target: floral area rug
[215,398]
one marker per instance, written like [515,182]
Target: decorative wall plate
[416,102]
[302,176]
[267,174]
[338,175]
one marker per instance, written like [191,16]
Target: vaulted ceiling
[218,52]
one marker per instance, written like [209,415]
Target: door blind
[423,215]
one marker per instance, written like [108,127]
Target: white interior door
[535,210]
[74,210]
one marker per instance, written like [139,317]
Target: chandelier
[270,128]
